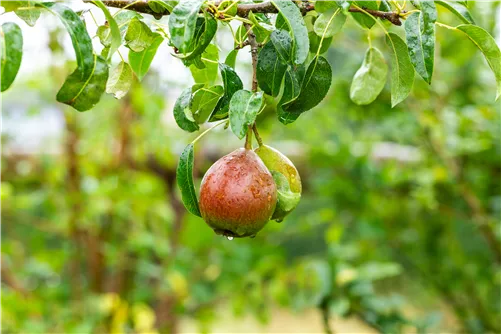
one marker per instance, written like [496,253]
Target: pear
[238,195]
[286,178]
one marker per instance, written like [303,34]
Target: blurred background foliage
[398,229]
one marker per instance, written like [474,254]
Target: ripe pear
[238,195]
[286,177]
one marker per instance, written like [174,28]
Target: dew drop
[253,236]
[229,237]
[279,220]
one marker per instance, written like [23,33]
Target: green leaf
[11,41]
[184,177]
[182,112]
[204,101]
[315,43]
[104,34]
[83,88]
[207,74]
[203,37]
[82,43]
[385,6]
[120,80]
[420,35]
[486,43]
[316,84]
[329,23]
[457,9]
[244,106]
[141,61]
[402,71]
[139,36]
[260,29]
[28,13]
[324,6]
[231,58]
[283,44]
[161,6]
[363,19]
[182,23]
[292,16]
[287,200]
[116,39]
[232,84]
[124,18]
[370,78]
[292,88]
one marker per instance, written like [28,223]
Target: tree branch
[243,10]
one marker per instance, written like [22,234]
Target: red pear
[238,194]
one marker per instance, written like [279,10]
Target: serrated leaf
[420,35]
[140,61]
[457,9]
[116,39]
[139,36]
[11,53]
[232,84]
[208,73]
[287,200]
[402,71]
[184,178]
[244,106]
[292,16]
[202,38]
[314,88]
[370,78]
[366,21]
[329,23]
[487,44]
[83,88]
[204,101]
[182,112]
[182,23]
[120,80]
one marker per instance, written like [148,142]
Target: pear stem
[258,137]
[248,139]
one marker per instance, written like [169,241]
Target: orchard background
[398,227]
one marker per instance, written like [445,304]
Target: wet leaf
[244,106]
[113,30]
[287,200]
[402,71]
[292,87]
[420,35]
[329,23]
[204,101]
[370,78]
[324,6]
[260,29]
[139,36]
[294,20]
[366,21]
[182,111]
[232,84]
[487,44]
[202,38]
[11,42]
[120,80]
[207,74]
[140,61]
[184,178]
[283,44]
[457,9]
[182,23]
[231,58]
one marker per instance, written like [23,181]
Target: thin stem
[93,18]
[325,31]
[445,26]
[256,133]
[209,129]
[248,139]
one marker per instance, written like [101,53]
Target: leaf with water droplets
[272,64]
[184,178]
[204,101]
[140,61]
[182,23]
[287,200]
[244,106]
[182,111]
[120,80]
[139,36]
[232,84]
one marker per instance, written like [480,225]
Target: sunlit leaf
[141,61]
[370,78]
[11,53]
[120,80]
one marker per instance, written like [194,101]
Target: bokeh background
[398,230]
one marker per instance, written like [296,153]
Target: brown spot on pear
[237,194]
[276,161]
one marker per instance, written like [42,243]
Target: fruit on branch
[238,195]
[286,178]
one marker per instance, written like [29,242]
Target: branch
[243,10]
